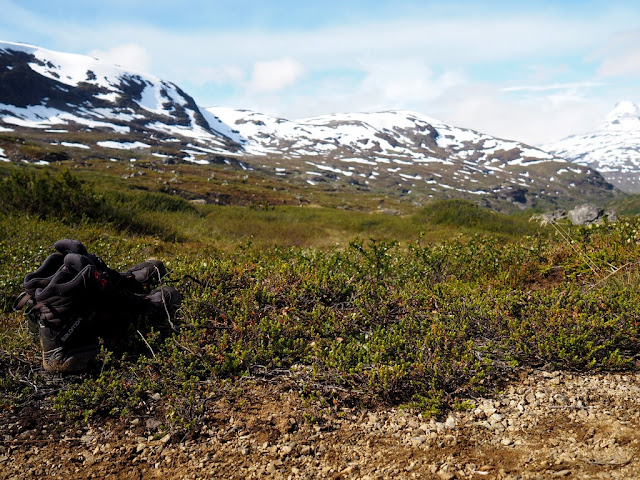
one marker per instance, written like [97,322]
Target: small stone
[271,468]
[419,440]
[560,399]
[285,450]
[444,475]
[152,423]
[166,438]
[450,423]
[305,450]
[506,441]
[561,473]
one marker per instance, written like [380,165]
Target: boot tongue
[75,263]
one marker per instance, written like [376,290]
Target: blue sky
[534,71]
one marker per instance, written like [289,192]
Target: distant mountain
[410,152]
[41,88]
[59,106]
[613,149]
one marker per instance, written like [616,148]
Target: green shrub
[428,325]
[64,197]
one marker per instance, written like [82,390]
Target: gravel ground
[544,425]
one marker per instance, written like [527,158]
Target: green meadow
[358,299]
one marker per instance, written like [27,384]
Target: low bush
[64,197]
[428,325]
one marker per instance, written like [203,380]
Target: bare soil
[543,425]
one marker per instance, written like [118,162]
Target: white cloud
[226,74]
[555,86]
[129,55]
[620,55]
[534,120]
[625,63]
[276,74]
[398,82]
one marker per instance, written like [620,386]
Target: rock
[560,399]
[285,450]
[305,450]
[445,475]
[585,214]
[561,473]
[588,213]
[152,423]
[550,217]
[450,423]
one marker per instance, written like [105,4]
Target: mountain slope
[412,153]
[613,149]
[59,106]
[42,89]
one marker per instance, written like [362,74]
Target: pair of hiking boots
[73,299]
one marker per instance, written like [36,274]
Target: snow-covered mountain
[613,149]
[411,152]
[41,88]
[75,107]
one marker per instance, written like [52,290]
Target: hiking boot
[144,275]
[138,278]
[67,245]
[68,348]
[43,275]
[70,288]
[161,303]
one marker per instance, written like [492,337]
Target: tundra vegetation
[425,309]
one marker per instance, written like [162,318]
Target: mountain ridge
[419,150]
[613,149]
[132,115]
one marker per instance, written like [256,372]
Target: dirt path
[546,425]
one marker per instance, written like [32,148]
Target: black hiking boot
[162,303]
[145,275]
[67,323]
[73,299]
[68,347]
[43,275]
[139,278]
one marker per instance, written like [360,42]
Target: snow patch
[122,145]
[72,145]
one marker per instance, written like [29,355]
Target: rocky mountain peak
[613,149]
